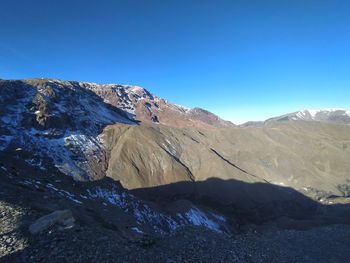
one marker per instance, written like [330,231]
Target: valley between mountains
[114,173]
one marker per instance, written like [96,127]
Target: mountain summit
[144,107]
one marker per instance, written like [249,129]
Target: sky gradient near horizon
[243,60]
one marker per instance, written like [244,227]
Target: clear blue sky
[243,60]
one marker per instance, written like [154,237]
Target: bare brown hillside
[308,156]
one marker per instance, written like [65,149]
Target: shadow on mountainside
[101,232]
[247,203]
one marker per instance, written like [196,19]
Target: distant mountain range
[340,116]
[322,115]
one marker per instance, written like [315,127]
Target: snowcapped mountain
[321,115]
[331,115]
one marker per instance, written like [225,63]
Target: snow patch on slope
[161,222]
[198,218]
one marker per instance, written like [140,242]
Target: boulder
[62,217]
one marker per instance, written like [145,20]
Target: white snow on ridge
[135,89]
[300,115]
[184,108]
[307,113]
[312,112]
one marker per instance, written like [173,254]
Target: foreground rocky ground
[84,242]
[89,244]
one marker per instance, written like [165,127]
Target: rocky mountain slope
[144,172]
[144,107]
[300,155]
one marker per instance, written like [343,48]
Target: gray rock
[62,217]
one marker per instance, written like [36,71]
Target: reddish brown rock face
[146,108]
[174,116]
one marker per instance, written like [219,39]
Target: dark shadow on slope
[96,224]
[243,203]
[247,203]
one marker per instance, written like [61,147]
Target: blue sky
[243,60]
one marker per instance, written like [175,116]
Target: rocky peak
[143,106]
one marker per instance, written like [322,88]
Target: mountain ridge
[329,115]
